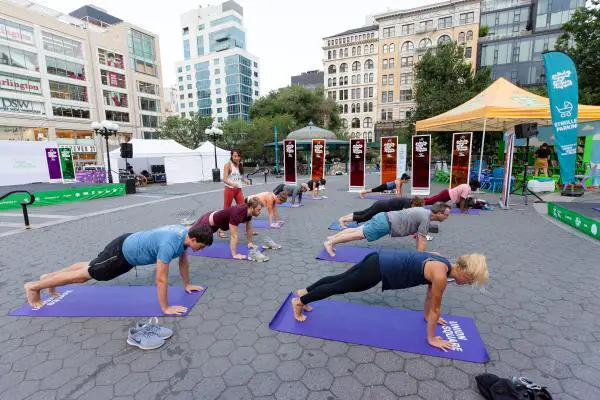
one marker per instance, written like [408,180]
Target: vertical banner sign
[460,165]
[66,164]
[53,164]
[318,159]
[289,161]
[508,164]
[389,158]
[421,165]
[357,164]
[561,81]
[401,159]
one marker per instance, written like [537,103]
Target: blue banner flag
[561,80]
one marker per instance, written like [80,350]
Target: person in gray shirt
[396,223]
[293,191]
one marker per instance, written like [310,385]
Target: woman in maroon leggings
[457,194]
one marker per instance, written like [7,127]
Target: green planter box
[580,222]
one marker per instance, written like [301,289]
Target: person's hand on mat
[442,321]
[193,288]
[441,343]
[239,256]
[175,310]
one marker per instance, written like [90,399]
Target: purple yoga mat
[311,198]
[346,254]
[221,250]
[470,211]
[262,224]
[335,226]
[596,208]
[288,205]
[109,301]
[377,197]
[382,327]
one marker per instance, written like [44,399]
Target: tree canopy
[186,131]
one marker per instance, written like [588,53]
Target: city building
[217,77]
[59,73]
[171,101]
[519,31]
[350,78]
[404,37]
[309,79]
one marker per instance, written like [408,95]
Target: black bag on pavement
[493,387]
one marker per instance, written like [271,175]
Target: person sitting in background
[542,156]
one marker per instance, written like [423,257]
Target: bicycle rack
[263,170]
[24,204]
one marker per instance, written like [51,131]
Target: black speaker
[130,186]
[126,150]
[524,131]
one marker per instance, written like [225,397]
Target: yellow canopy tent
[500,106]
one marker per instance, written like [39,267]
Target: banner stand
[508,165]
[290,176]
[389,159]
[421,165]
[357,160]
[317,166]
[460,162]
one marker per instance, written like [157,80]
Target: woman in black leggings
[392,185]
[399,270]
[395,204]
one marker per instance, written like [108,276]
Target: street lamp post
[214,132]
[106,129]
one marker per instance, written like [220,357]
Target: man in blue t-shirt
[157,246]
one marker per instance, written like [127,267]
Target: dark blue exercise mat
[382,327]
[109,301]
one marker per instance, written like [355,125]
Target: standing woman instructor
[233,179]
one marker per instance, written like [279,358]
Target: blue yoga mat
[262,224]
[288,205]
[221,250]
[596,209]
[317,198]
[335,226]
[346,254]
[378,197]
[109,301]
[470,211]
[382,327]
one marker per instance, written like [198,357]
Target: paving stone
[317,379]
[291,391]
[264,384]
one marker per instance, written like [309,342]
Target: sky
[286,35]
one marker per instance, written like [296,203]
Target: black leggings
[361,277]
[380,188]
[368,213]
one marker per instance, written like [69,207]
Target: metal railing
[260,170]
[24,204]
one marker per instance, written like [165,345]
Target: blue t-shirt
[391,185]
[405,269]
[146,247]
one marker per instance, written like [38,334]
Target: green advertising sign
[66,163]
[52,197]
[580,222]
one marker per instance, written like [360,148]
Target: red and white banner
[289,161]
[508,165]
[421,165]
[318,159]
[358,149]
[389,158]
[460,164]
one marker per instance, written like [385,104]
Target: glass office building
[238,80]
[518,33]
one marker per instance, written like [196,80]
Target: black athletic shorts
[111,262]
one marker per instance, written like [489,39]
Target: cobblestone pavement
[538,316]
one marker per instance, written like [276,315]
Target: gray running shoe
[270,244]
[429,238]
[256,255]
[144,339]
[153,326]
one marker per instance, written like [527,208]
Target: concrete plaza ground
[537,317]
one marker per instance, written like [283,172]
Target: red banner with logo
[318,159]
[421,165]
[289,161]
[358,149]
[460,164]
[389,158]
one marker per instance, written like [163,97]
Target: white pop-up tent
[207,152]
[182,165]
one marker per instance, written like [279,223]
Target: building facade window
[391,63]
[68,69]
[425,43]
[118,116]
[405,95]
[343,67]
[469,36]
[67,91]
[147,104]
[406,79]
[114,79]
[368,122]
[408,29]
[332,69]
[384,81]
[444,39]
[70,111]
[61,45]
[19,58]
[111,59]
[369,64]
[355,123]
[390,79]
[186,49]
[149,88]
[150,121]
[467,18]
[445,22]
[142,52]
[200,45]
[461,38]
[469,52]
[16,32]
[407,46]
[228,38]
[356,66]
[389,32]
[115,99]
[406,61]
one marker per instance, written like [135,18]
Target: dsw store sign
[21,106]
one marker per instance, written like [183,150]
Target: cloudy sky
[285,34]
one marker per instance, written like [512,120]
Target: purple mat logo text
[454,333]
[53,300]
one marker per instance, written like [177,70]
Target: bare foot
[301,293]
[342,223]
[51,290]
[362,195]
[297,307]
[33,296]
[329,248]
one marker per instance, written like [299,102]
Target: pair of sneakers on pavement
[147,334]
[258,256]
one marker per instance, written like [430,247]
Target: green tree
[581,41]
[186,131]
[444,80]
[302,104]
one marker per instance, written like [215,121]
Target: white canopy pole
[481,155]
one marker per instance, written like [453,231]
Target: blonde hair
[476,266]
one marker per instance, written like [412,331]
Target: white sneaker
[270,244]
[429,238]
[257,255]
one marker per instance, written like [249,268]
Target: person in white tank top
[233,179]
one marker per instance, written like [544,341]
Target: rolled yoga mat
[346,254]
[221,250]
[335,226]
[109,301]
[382,327]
